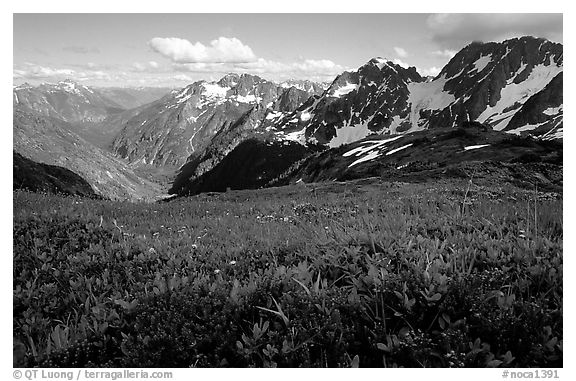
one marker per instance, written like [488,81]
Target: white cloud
[400,52]
[182,77]
[30,71]
[223,49]
[455,30]
[432,71]
[446,53]
[147,66]
[273,70]
[398,61]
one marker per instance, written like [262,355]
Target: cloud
[400,52]
[432,71]
[221,50]
[150,66]
[398,61]
[304,69]
[182,77]
[455,30]
[446,53]
[81,49]
[30,71]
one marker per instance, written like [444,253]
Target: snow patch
[380,62]
[249,98]
[482,62]
[513,93]
[372,145]
[430,95]
[347,88]
[349,134]
[553,110]
[273,115]
[305,116]
[296,136]
[213,90]
[370,156]
[182,93]
[398,149]
[468,148]
[554,134]
[527,127]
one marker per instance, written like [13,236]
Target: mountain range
[244,131]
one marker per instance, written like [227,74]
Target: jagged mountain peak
[229,80]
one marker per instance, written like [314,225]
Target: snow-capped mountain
[65,100]
[488,83]
[181,125]
[305,85]
[372,99]
[514,86]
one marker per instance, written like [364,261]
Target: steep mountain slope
[66,100]
[542,114]
[250,126]
[250,165]
[436,153]
[490,82]
[54,142]
[180,126]
[39,177]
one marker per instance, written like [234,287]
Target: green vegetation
[362,274]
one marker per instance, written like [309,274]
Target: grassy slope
[315,275]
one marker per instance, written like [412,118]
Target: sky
[173,50]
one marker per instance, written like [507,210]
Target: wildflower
[216,271]
[152,250]
[194,246]
[232,262]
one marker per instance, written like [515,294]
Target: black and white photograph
[287,190]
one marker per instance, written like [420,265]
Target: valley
[173,140]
